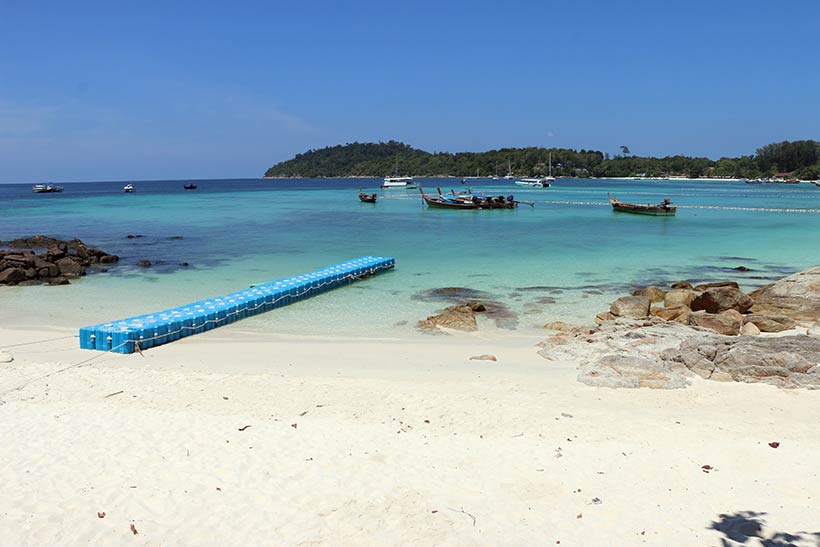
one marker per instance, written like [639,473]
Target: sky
[125,90]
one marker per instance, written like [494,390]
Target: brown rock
[718,299]
[717,285]
[679,314]
[655,294]
[69,268]
[682,285]
[12,276]
[560,326]
[771,323]
[109,259]
[720,323]
[455,317]
[59,281]
[484,357]
[679,297]
[630,306]
[603,317]
[796,296]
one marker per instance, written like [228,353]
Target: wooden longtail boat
[665,208]
[367,198]
[468,201]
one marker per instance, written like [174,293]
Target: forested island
[797,159]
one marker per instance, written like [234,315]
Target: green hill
[802,158]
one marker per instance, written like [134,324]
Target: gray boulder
[788,361]
[631,371]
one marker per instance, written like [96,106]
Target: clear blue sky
[114,90]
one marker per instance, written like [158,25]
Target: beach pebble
[485,357]
[5,357]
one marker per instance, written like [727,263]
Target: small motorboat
[46,188]
[540,182]
[190,186]
[665,208]
[128,188]
[367,198]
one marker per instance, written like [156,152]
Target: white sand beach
[237,438]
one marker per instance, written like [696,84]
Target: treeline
[801,159]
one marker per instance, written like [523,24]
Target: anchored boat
[128,188]
[469,201]
[665,208]
[46,188]
[367,198]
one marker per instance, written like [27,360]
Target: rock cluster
[462,315]
[659,354]
[723,307]
[61,260]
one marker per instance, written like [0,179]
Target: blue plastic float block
[146,331]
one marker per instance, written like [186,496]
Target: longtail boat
[367,198]
[468,201]
[664,208]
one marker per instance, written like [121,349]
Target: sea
[566,257]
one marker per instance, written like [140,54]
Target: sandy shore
[238,438]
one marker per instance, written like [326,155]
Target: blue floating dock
[147,331]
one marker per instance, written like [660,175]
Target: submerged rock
[493,309]
[455,317]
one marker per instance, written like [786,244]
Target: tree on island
[800,158]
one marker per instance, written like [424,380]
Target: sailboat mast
[550,163]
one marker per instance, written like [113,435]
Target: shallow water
[566,258]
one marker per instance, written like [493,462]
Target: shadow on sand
[748,528]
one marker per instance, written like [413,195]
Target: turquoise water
[566,258]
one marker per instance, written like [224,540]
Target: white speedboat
[128,188]
[539,182]
[399,182]
[46,188]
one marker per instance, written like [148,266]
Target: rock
[134,236]
[743,269]
[560,326]
[12,276]
[749,329]
[604,316]
[458,295]
[734,314]
[144,263]
[717,285]
[682,285]
[59,281]
[630,306]
[109,259]
[655,294]
[679,297]
[484,357]
[718,322]
[771,323]
[786,361]
[796,296]
[679,314]
[627,371]
[455,317]
[6,357]
[718,299]
[69,268]
[184,264]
